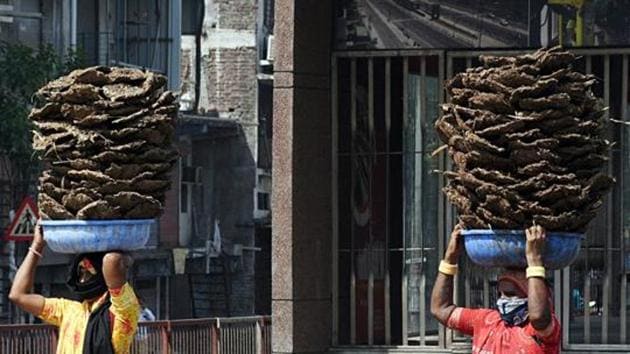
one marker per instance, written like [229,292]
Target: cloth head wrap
[95,286]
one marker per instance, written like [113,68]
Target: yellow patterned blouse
[72,317]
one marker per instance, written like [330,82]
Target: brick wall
[230,81]
[236,14]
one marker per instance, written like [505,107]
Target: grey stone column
[301,198]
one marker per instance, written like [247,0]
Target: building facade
[225,105]
[356,249]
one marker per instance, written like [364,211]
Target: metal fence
[28,339]
[236,335]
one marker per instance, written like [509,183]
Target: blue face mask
[513,310]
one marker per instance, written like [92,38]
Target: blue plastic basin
[80,236]
[506,248]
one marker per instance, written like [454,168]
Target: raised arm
[22,286]
[115,267]
[538,294]
[125,308]
[442,297]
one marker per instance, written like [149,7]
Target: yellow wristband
[448,269]
[535,271]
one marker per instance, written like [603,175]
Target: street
[402,23]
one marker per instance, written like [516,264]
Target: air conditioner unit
[192,175]
[270,48]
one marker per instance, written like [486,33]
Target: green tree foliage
[23,71]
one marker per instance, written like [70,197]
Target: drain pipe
[201,10]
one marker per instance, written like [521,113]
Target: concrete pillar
[301,197]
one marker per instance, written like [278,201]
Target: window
[263,201]
[388,197]
[129,33]
[142,33]
[596,285]
[21,22]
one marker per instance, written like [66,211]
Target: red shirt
[491,335]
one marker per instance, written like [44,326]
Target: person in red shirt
[523,322]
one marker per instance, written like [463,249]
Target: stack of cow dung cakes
[526,135]
[105,135]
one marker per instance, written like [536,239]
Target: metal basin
[506,248]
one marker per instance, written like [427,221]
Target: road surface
[424,32]
[388,36]
[509,34]
[398,27]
